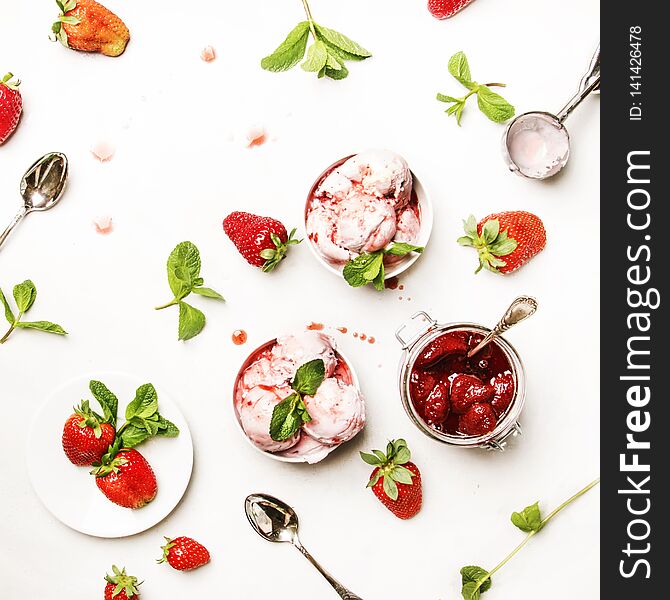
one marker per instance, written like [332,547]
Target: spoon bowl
[43,183]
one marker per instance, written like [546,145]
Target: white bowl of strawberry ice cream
[336,409]
[363,204]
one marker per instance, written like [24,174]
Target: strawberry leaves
[273,256]
[326,56]
[290,414]
[369,267]
[493,105]
[390,467]
[24,295]
[490,245]
[57,29]
[476,580]
[183,273]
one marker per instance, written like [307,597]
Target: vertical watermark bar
[635,361]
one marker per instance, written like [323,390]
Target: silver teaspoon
[41,187]
[276,521]
[522,308]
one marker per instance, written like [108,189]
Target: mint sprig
[325,57]
[477,580]
[493,105]
[369,267]
[24,295]
[290,414]
[183,273]
[143,420]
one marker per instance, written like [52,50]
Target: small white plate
[70,493]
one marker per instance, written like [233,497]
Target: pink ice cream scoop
[292,351]
[337,412]
[361,206]
[255,411]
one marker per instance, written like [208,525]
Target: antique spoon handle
[15,221]
[522,308]
[339,588]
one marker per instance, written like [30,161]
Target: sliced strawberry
[449,344]
[504,392]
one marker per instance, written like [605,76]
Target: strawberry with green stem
[121,586]
[326,56]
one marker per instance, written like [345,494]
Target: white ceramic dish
[425,215]
[282,456]
[69,492]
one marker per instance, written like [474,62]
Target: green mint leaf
[191,321]
[24,295]
[443,98]
[494,106]
[529,519]
[207,293]
[290,52]
[341,41]
[9,315]
[106,399]
[183,269]
[42,326]
[132,435]
[362,269]
[476,581]
[332,62]
[144,404]
[167,428]
[309,377]
[317,57]
[378,281]
[343,73]
[460,69]
[402,248]
[285,420]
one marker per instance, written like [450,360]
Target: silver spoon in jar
[522,308]
[41,187]
[276,521]
[536,145]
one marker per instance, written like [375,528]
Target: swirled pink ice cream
[337,408]
[362,205]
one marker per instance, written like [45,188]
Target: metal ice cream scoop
[536,145]
[41,187]
[276,521]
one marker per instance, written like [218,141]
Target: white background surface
[177,173]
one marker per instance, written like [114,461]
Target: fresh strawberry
[262,241]
[467,390]
[437,405]
[446,345]
[479,419]
[505,241]
[126,478]
[88,26]
[443,9]
[121,586]
[184,554]
[395,480]
[505,388]
[11,105]
[86,436]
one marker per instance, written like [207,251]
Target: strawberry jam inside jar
[467,402]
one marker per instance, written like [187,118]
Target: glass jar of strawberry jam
[467,402]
